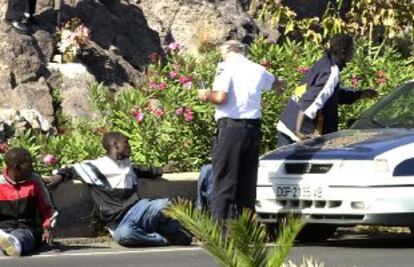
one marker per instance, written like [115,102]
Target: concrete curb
[75,205]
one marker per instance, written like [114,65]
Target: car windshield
[394,111]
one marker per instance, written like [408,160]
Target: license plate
[296,191]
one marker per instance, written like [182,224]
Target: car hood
[347,145]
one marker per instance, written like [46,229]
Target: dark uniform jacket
[318,96]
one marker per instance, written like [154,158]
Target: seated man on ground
[26,211]
[132,221]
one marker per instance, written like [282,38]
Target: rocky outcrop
[196,25]
[123,35]
[73,81]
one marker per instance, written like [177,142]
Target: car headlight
[381,165]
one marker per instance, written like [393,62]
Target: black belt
[238,122]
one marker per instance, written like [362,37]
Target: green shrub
[163,119]
[79,142]
[166,123]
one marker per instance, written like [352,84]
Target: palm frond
[245,244]
[206,229]
[250,239]
[285,241]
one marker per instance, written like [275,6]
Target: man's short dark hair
[110,138]
[340,42]
[17,156]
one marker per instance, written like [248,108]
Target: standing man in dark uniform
[313,108]
[20,13]
[237,91]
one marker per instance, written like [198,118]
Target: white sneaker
[10,245]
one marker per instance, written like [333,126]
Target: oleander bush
[166,123]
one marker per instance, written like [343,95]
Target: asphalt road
[362,250]
[345,249]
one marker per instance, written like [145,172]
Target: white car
[364,175]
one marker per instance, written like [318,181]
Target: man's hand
[203,95]
[304,137]
[52,180]
[280,85]
[47,236]
[369,93]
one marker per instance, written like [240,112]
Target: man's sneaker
[10,245]
[180,238]
[29,19]
[19,26]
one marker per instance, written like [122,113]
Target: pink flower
[179,111]
[138,115]
[188,85]
[303,69]
[162,86]
[82,35]
[172,74]
[153,85]
[354,80]
[188,115]
[174,46]
[265,63]
[158,112]
[184,79]
[49,159]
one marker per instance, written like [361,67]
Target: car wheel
[272,229]
[316,232]
[411,227]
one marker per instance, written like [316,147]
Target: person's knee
[122,234]
[161,203]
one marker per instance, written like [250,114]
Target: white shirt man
[237,91]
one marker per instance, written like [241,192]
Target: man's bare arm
[279,85]
[214,97]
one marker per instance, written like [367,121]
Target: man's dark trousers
[16,8]
[235,165]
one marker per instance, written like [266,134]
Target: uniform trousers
[235,163]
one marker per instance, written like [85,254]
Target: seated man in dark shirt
[132,221]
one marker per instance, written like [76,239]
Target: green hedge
[166,123]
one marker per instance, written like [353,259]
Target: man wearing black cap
[313,108]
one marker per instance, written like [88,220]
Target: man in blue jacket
[313,108]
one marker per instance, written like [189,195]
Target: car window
[399,113]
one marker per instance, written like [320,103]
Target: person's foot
[18,26]
[181,238]
[10,245]
[29,19]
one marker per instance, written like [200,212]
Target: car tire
[411,227]
[316,233]
[272,230]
